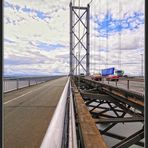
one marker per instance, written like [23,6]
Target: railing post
[29,82]
[17,84]
[128,84]
[116,82]
[4,85]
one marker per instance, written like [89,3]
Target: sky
[36,36]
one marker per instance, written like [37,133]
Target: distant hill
[25,76]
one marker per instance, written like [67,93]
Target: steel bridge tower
[79,37]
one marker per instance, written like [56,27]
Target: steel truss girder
[112,108]
[98,106]
[105,132]
[123,92]
[123,107]
[86,125]
[73,35]
[119,94]
[126,101]
[127,109]
[134,138]
[113,135]
[96,96]
[118,120]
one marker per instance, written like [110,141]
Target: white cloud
[26,29]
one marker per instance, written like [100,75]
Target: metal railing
[72,126]
[127,83]
[54,134]
[10,84]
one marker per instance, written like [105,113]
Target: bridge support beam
[80,35]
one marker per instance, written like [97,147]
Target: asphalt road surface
[135,86]
[27,113]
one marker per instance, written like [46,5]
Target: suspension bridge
[75,111]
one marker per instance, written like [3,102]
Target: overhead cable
[90,2]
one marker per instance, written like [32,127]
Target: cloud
[49,47]
[8,41]
[109,25]
[36,35]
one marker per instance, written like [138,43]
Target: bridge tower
[79,40]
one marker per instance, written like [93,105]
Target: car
[112,78]
[81,74]
[125,76]
[96,77]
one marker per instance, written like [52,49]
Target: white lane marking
[24,94]
[17,97]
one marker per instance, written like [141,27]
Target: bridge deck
[27,113]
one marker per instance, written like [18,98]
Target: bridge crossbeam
[110,106]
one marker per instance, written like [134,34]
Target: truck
[111,74]
[108,71]
[115,77]
[104,73]
[112,78]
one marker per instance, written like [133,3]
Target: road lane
[135,86]
[22,91]
[26,119]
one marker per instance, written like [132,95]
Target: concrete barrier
[53,136]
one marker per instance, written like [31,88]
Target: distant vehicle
[119,73]
[82,75]
[111,74]
[108,71]
[125,76]
[112,78]
[96,77]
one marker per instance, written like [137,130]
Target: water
[121,129]
[125,130]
